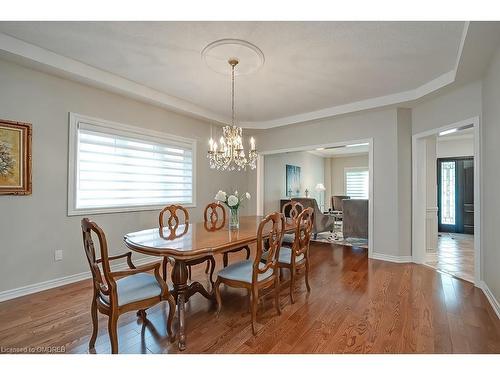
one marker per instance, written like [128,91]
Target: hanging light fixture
[229,154]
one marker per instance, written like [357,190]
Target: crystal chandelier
[229,154]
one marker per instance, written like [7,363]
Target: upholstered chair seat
[288,238]
[285,256]
[296,256]
[255,275]
[118,292]
[242,271]
[136,287]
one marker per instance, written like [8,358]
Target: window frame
[352,169]
[114,127]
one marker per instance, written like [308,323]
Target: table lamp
[320,188]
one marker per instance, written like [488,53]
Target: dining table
[193,241]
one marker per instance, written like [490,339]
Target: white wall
[431,171]
[431,217]
[403,129]
[338,166]
[451,148]
[490,157]
[447,107]
[311,173]
[32,227]
[328,180]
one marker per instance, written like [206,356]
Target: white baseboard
[491,298]
[392,258]
[49,284]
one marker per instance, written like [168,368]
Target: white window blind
[356,183]
[124,169]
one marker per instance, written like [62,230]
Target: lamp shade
[320,187]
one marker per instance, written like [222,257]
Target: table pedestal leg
[179,279]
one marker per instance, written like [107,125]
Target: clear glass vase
[234,218]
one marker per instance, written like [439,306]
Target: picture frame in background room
[15,158]
[292,181]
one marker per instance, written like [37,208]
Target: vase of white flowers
[233,202]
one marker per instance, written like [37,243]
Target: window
[356,182]
[448,192]
[115,168]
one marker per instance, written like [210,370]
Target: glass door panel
[448,198]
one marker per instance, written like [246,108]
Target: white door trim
[260,182]
[418,199]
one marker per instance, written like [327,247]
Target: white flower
[232,201]
[247,194]
[220,196]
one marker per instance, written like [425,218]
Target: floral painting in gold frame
[15,158]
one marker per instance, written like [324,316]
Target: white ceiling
[309,66]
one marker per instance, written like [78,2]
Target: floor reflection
[455,255]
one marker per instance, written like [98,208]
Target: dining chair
[294,208]
[297,257]
[255,275]
[117,292]
[212,222]
[321,222]
[212,216]
[171,216]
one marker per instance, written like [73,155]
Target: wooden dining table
[188,242]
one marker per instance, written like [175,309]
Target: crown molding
[378,102]
[53,63]
[48,61]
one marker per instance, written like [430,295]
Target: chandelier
[229,154]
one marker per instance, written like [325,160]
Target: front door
[456,195]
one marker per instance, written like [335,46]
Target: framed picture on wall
[15,158]
[292,180]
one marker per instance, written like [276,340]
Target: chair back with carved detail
[101,284]
[273,227]
[303,233]
[170,216]
[294,207]
[215,216]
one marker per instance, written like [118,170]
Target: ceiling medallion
[229,154]
[216,55]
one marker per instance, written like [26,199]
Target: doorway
[324,199]
[455,188]
[455,196]
[446,220]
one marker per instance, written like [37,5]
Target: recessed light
[320,149]
[357,144]
[448,132]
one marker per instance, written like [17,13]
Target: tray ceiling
[309,66]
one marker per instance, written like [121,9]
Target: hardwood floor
[455,255]
[356,306]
